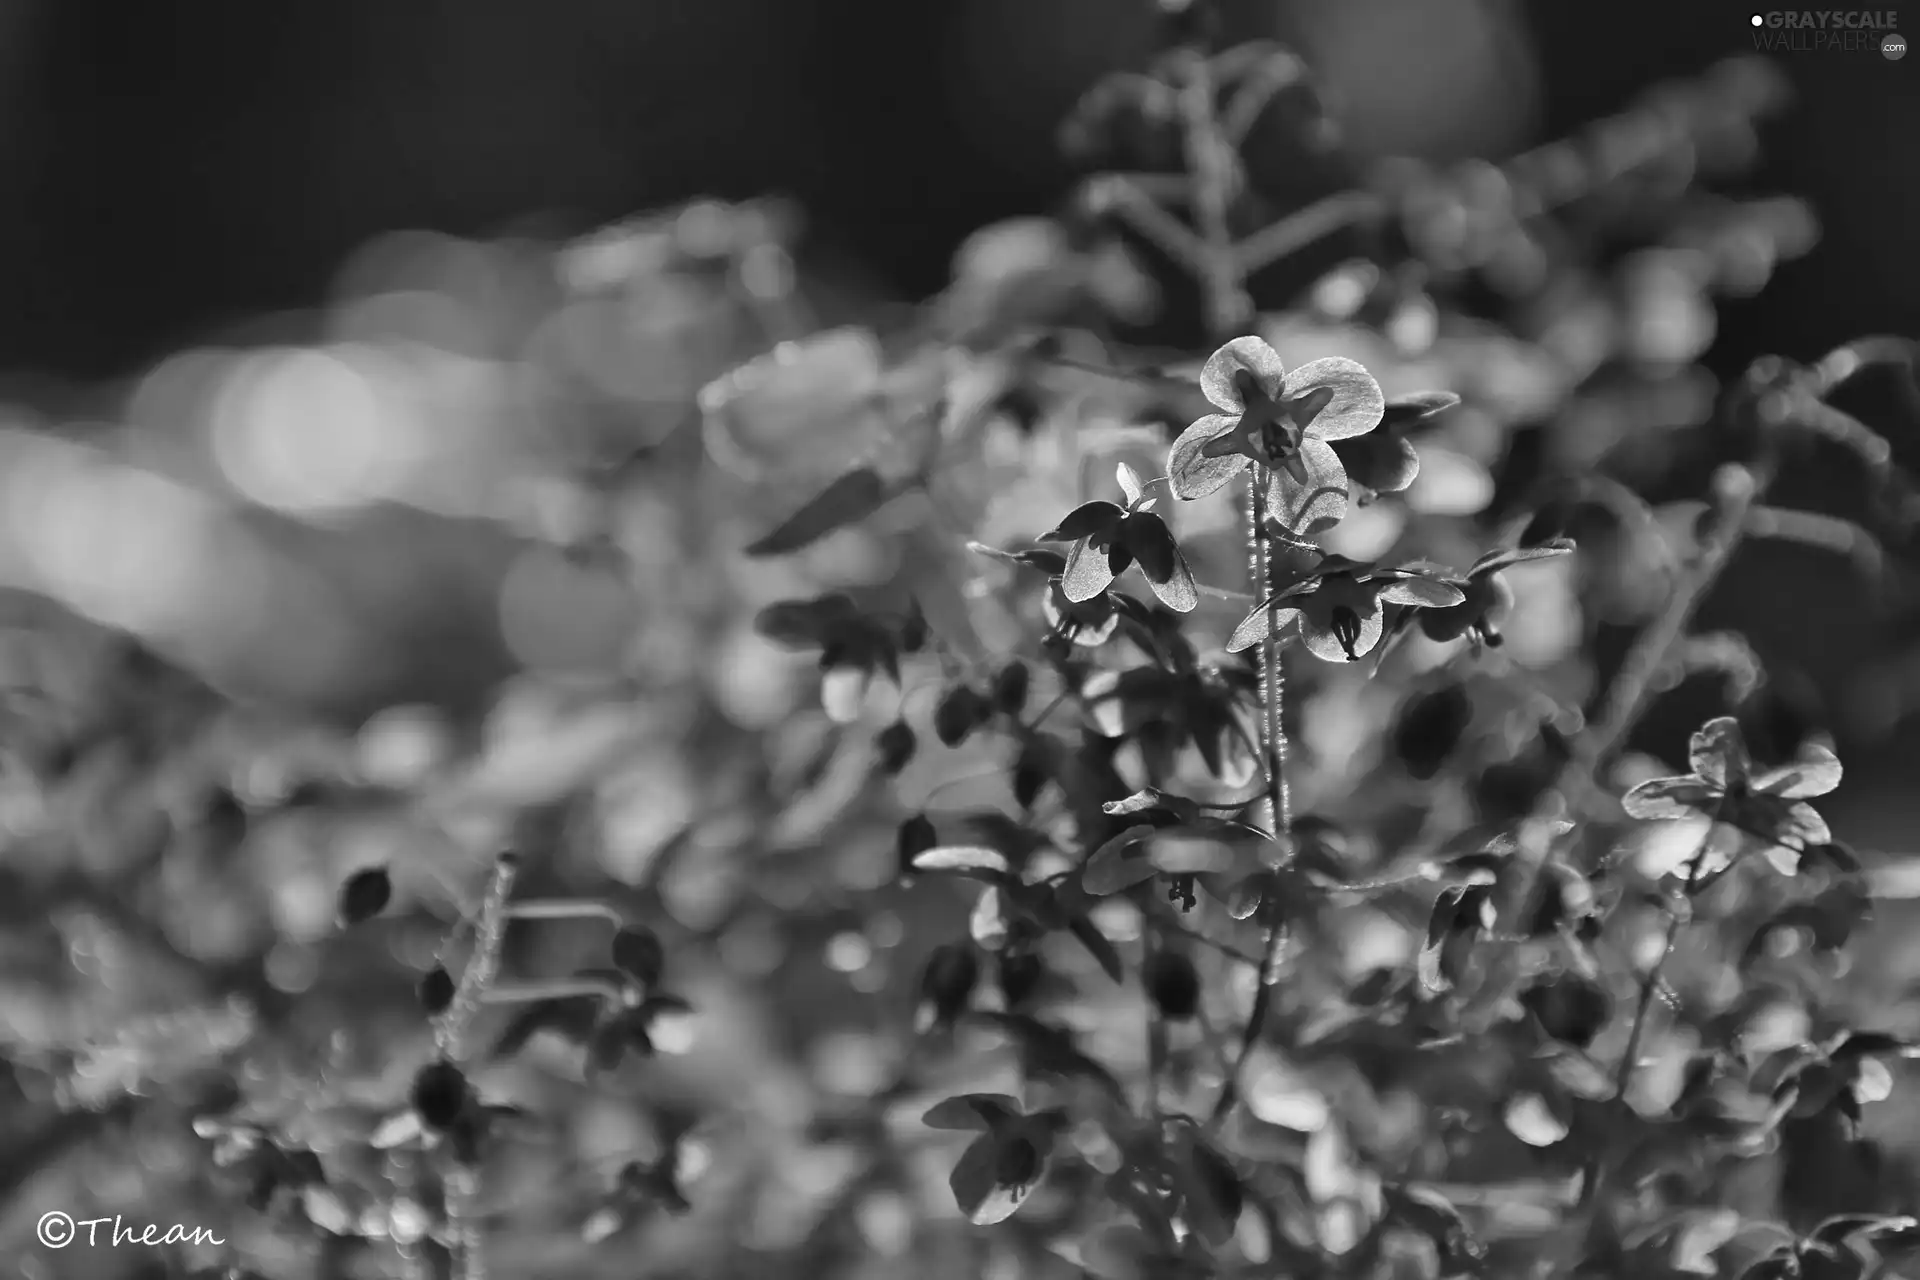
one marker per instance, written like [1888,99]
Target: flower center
[1180,893]
[1345,624]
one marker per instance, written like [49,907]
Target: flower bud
[638,953]
[365,895]
[959,713]
[915,837]
[1010,686]
[1430,727]
[440,1094]
[947,984]
[436,991]
[1172,984]
[895,746]
[1020,973]
[1570,1008]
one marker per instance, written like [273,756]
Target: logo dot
[1757,20]
[1894,47]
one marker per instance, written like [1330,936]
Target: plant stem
[1633,687]
[1636,1034]
[1212,165]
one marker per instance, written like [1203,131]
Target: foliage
[923,894]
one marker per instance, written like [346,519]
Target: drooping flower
[1383,460]
[1108,539]
[1485,599]
[1769,805]
[1282,421]
[1000,1167]
[1340,606]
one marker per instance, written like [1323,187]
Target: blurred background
[328,328]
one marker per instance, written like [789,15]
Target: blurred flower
[1342,607]
[997,1171]
[1282,421]
[1723,786]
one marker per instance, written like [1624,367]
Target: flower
[1486,597]
[1281,421]
[1770,805]
[1341,607]
[1108,538]
[1383,461]
[1006,1161]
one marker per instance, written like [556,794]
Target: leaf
[1088,520]
[1118,864]
[853,497]
[1047,561]
[800,624]
[967,860]
[1455,911]
[1211,1191]
[1129,481]
[980,1111]
[976,1184]
[1089,572]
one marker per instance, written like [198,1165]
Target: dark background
[174,166]
[174,169]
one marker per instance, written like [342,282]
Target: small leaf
[1129,481]
[979,1111]
[1089,520]
[966,860]
[1119,863]
[853,497]
[1090,570]
[1049,562]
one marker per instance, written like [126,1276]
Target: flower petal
[980,1111]
[976,1186]
[1316,506]
[1383,463]
[1815,773]
[1718,752]
[1804,823]
[1177,592]
[1422,591]
[1084,521]
[1088,572]
[1356,405]
[1668,799]
[1405,412]
[1219,377]
[1494,561]
[1189,472]
[1254,627]
[1317,615]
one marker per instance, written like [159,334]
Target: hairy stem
[1212,166]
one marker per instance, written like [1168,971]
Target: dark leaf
[1096,520]
[853,497]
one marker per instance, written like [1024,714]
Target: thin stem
[1156,1025]
[558,989]
[1634,686]
[1650,985]
[1213,167]
[566,909]
[490,931]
